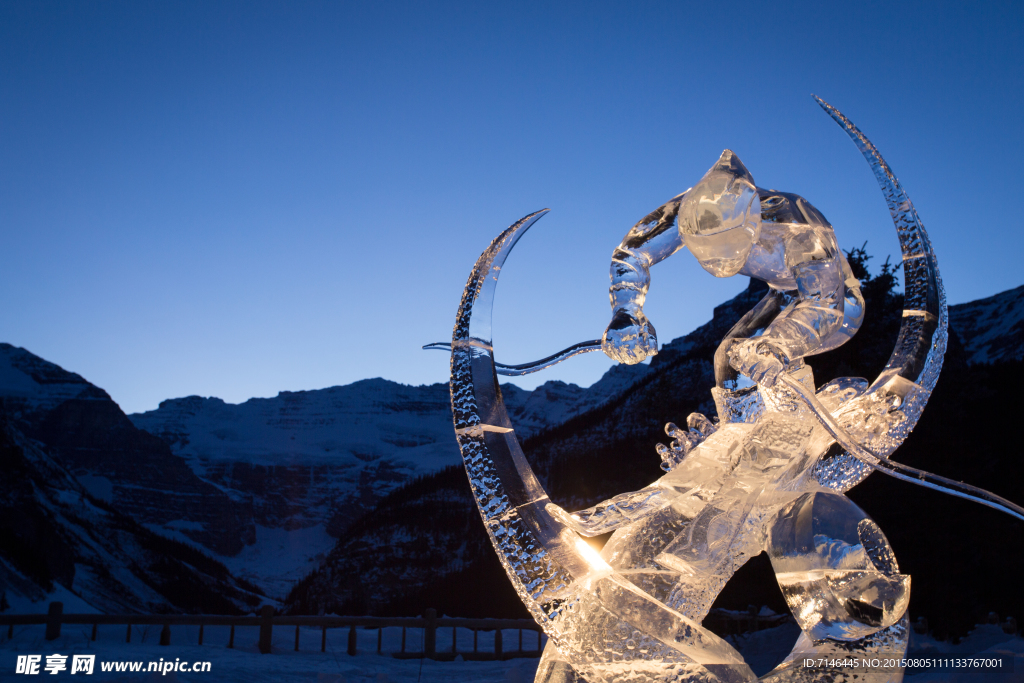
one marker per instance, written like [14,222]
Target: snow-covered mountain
[79,425]
[309,463]
[58,540]
[991,329]
[268,485]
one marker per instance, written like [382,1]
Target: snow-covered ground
[244,663]
[280,557]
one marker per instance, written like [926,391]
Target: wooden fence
[434,628]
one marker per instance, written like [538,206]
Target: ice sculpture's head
[720,217]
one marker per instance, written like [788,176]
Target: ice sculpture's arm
[806,325]
[630,337]
[818,312]
[615,512]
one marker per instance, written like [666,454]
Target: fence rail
[434,627]
[267,620]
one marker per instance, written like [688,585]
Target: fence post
[266,628]
[430,633]
[352,640]
[165,635]
[53,620]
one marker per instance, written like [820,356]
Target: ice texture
[834,586]
[765,477]
[884,415]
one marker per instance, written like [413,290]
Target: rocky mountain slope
[267,486]
[55,536]
[309,456]
[309,463]
[992,329]
[80,426]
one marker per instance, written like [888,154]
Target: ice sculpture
[764,476]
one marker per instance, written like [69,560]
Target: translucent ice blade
[534,366]
[895,400]
[922,341]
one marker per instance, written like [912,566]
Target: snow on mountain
[991,329]
[352,425]
[58,542]
[308,463]
[553,403]
[79,425]
[311,462]
[266,485]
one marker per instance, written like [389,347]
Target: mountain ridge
[52,531]
[277,483]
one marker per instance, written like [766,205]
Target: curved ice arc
[884,415]
[572,593]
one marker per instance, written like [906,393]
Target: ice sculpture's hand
[700,428]
[759,360]
[629,338]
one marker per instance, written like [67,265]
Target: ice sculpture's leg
[889,643]
[836,569]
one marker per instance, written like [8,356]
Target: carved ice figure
[765,477]
[814,302]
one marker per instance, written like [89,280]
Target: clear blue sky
[233,199]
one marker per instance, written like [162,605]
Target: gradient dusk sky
[234,199]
